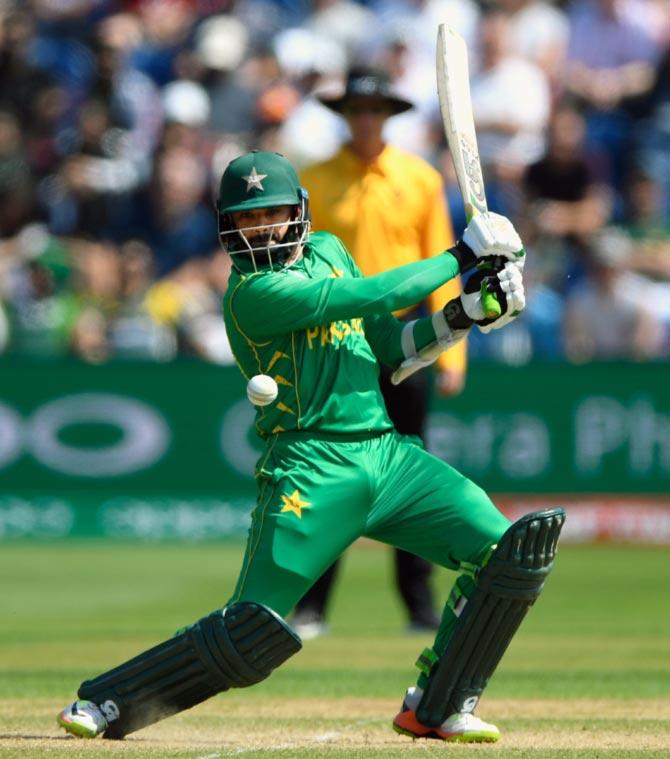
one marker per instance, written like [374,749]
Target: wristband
[462,252]
[456,316]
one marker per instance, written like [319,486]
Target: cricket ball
[262,390]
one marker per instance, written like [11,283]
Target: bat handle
[490,303]
[492,309]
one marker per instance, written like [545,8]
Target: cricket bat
[453,89]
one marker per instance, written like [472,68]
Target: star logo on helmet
[254,180]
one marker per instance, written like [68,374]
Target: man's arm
[452,323]
[268,304]
[296,303]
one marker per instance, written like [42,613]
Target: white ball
[262,390]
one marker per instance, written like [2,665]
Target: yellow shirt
[388,212]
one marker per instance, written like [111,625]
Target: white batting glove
[468,309]
[511,283]
[490,234]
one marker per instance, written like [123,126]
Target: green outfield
[588,675]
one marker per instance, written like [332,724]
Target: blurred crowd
[117,118]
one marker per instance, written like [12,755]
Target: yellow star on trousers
[294,503]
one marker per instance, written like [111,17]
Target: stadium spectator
[566,200]
[648,225]
[220,47]
[166,28]
[345,22]
[97,291]
[41,308]
[418,20]
[538,32]
[187,302]
[172,217]
[651,143]
[89,193]
[310,132]
[607,316]
[187,110]
[610,61]
[511,102]
[648,228]
[133,100]
[16,181]
[137,332]
[21,81]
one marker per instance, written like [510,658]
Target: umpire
[388,208]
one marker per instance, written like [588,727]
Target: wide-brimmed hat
[367,83]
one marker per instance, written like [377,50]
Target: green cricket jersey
[318,328]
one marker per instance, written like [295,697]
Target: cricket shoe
[83,719]
[461,727]
[308,624]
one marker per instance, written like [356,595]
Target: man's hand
[512,299]
[488,235]
[506,284]
[501,278]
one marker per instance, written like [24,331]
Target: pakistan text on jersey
[334,333]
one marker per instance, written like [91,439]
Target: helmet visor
[255,246]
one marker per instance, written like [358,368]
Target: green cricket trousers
[319,493]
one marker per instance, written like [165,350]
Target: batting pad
[230,648]
[506,588]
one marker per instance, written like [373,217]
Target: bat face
[474,181]
[453,88]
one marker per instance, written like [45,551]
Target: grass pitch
[588,676]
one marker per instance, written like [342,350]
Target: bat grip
[490,304]
[492,308]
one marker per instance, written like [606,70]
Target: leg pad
[506,588]
[230,648]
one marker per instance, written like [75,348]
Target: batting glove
[468,309]
[488,235]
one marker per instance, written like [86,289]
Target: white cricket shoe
[460,727]
[83,719]
[308,624]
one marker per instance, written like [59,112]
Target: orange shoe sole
[406,723]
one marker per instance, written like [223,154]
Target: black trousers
[407,406]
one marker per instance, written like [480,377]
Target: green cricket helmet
[261,180]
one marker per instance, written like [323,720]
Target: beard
[264,240]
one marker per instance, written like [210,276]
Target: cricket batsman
[334,469]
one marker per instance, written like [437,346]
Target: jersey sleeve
[270,304]
[384,331]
